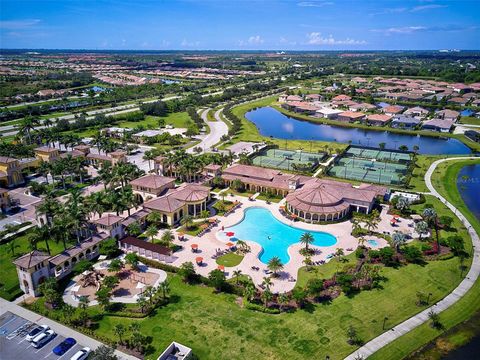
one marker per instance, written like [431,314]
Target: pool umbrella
[234,239]
[230,244]
[194,246]
[221,267]
[140,285]
[199,260]
[230,234]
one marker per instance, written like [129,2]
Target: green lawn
[470,120]
[178,120]
[216,327]
[229,260]
[444,179]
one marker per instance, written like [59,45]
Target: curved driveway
[217,130]
[384,339]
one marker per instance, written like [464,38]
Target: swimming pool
[373,242]
[275,237]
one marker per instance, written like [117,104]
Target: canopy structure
[199,259]
[230,244]
[230,233]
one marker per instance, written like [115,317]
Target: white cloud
[427,7]
[314,3]
[315,38]
[186,43]
[18,24]
[252,40]
[415,29]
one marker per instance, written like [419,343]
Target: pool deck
[209,243]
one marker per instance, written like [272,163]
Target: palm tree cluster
[67,167]
[185,166]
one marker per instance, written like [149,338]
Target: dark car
[64,346]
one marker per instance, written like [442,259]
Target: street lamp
[384,321]
[428,298]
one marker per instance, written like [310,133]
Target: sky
[240,24]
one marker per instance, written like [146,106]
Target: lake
[271,122]
[468,183]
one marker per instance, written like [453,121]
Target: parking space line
[9,321]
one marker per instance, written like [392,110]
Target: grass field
[178,120]
[444,180]
[230,259]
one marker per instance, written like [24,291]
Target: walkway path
[386,338]
[217,130]
[58,328]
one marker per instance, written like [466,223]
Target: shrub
[412,254]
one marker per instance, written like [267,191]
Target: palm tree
[149,155]
[154,217]
[165,287]
[275,265]
[421,228]
[44,169]
[398,239]
[266,297]
[83,303]
[151,231]
[119,330]
[283,299]
[26,126]
[430,215]
[339,253]
[41,234]
[236,274]
[187,221]
[204,214]
[306,239]
[267,282]
[249,292]
[167,236]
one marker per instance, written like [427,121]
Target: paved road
[217,130]
[386,338]
[115,110]
[58,328]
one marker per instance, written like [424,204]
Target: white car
[81,354]
[43,338]
[36,331]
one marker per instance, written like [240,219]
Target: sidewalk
[386,338]
[6,306]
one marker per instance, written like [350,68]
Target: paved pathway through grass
[384,339]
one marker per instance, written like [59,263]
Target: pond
[468,183]
[271,122]
[274,236]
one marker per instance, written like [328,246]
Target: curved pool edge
[289,249]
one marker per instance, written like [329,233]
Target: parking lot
[13,345]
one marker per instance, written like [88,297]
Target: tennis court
[284,159]
[372,165]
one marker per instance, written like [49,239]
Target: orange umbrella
[230,244]
[199,260]
[194,246]
[221,267]
[282,207]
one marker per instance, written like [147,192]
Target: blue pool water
[372,242]
[275,237]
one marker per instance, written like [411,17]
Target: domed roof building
[328,200]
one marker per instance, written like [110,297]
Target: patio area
[132,282]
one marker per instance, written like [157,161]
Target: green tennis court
[372,165]
[284,159]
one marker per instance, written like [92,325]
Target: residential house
[447,114]
[47,154]
[405,122]
[378,119]
[438,125]
[416,111]
[393,110]
[10,172]
[351,116]
[152,184]
[328,113]
[111,225]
